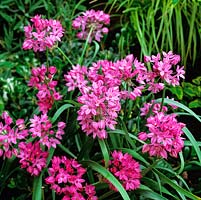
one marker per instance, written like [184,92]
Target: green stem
[162,102]
[47,56]
[85,46]
[144,172]
[106,195]
[66,150]
[64,55]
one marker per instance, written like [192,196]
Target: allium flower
[164,135]
[9,137]
[164,69]
[76,78]
[100,93]
[94,21]
[106,83]
[42,34]
[125,169]
[32,157]
[42,127]
[152,108]
[66,178]
[99,110]
[42,79]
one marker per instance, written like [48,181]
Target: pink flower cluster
[42,79]
[94,21]
[164,135]
[126,170]
[42,34]
[105,83]
[32,157]
[31,154]
[66,177]
[103,86]
[9,137]
[152,108]
[162,70]
[41,127]
[100,99]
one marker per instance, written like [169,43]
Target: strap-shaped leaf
[104,172]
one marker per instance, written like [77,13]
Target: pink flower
[76,78]
[66,178]
[165,68]
[41,127]
[42,34]
[125,169]
[9,137]
[42,79]
[94,20]
[32,157]
[164,135]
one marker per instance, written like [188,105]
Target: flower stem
[47,56]
[66,150]
[145,171]
[162,102]
[85,46]
[66,57]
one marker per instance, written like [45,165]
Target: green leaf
[66,150]
[195,104]
[6,17]
[182,163]
[147,193]
[189,89]
[108,175]
[7,64]
[1,106]
[154,186]
[176,186]
[105,153]
[135,155]
[197,80]
[180,105]
[178,91]
[60,110]
[37,188]
[193,141]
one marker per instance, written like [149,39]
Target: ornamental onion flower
[91,22]
[42,34]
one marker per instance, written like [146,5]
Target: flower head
[42,34]
[32,157]
[41,127]
[9,137]
[164,135]
[94,21]
[66,178]
[126,170]
[42,79]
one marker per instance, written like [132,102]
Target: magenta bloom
[100,93]
[164,70]
[126,170]
[42,79]
[41,127]
[9,137]
[66,178]
[164,135]
[42,34]
[91,19]
[32,157]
